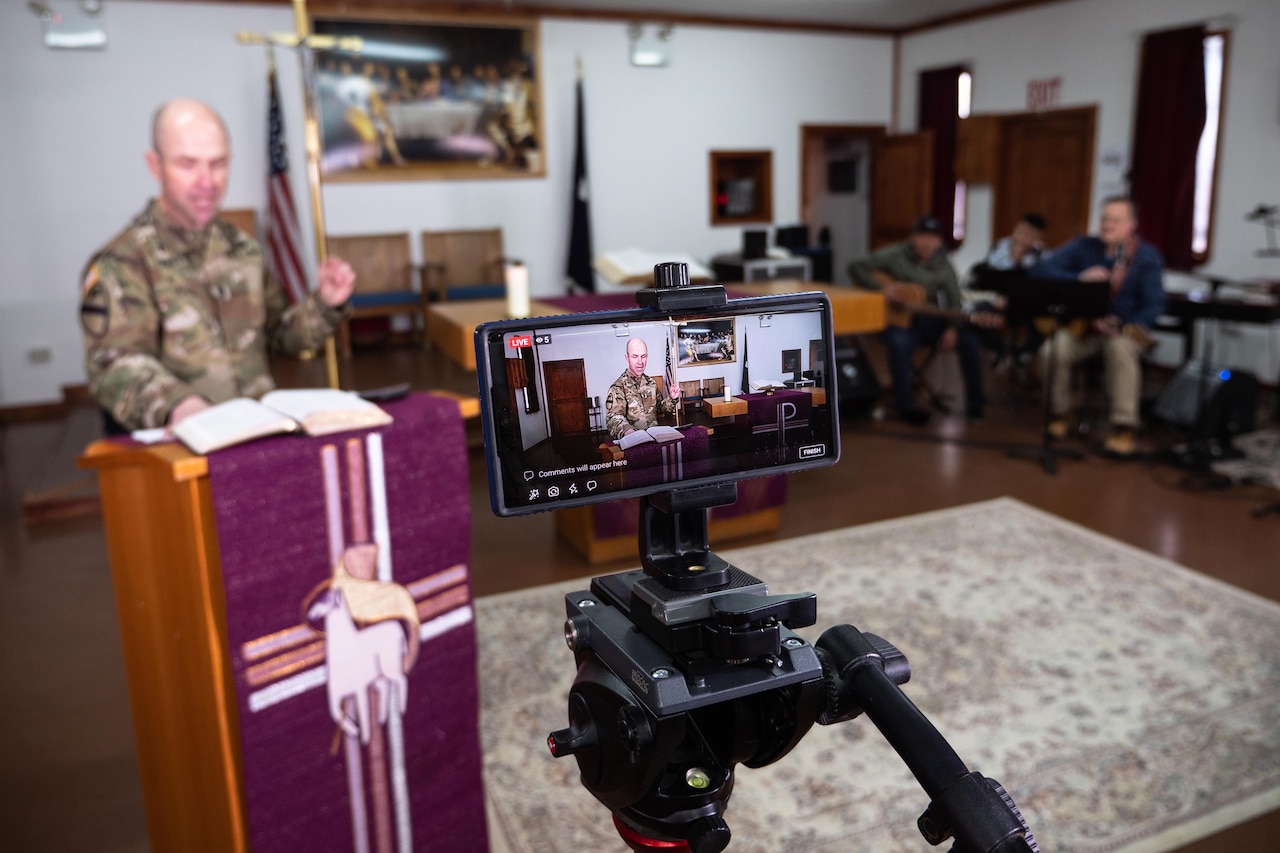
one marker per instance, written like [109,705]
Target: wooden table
[452,325]
[854,311]
[718,407]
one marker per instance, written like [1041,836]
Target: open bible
[660,434]
[313,411]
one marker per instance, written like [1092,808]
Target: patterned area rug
[1125,702]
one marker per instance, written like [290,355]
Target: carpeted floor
[1125,702]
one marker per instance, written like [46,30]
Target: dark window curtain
[1167,126]
[938,104]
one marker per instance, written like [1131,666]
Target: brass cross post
[307,42]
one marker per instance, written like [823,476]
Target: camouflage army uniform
[168,313]
[633,403]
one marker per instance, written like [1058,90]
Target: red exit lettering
[519,341]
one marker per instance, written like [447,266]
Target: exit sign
[1042,94]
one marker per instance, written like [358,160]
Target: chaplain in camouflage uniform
[179,310]
[633,402]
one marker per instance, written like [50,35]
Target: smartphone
[585,408]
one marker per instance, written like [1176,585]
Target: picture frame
[707,342]
[429,98]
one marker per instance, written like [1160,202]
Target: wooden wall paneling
[901,184]
[1046,166]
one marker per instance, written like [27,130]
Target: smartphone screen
[585,408]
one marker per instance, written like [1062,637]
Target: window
[943,101]
[1215,48]
[965,89]
[1175,136]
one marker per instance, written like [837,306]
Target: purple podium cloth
[323,771]
[767,412]
[593,302]
[655,462]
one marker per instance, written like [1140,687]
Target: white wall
[1093,46]
[72,171]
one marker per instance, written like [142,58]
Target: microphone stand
[1046,452]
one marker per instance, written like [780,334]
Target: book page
[322,411]
[631,439]
[665,433]
[229,423]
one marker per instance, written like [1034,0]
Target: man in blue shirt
[1135,270]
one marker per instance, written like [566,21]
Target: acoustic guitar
[903,300]
[1079,328]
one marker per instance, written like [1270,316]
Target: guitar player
[1135,270]
[924,307]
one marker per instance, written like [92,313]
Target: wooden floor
[69,778]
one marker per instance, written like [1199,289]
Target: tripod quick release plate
[679,670]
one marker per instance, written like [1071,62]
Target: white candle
[517,275]
[726,393]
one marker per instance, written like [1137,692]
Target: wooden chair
[244,218]
[691,394]
[463,264]
[384,280]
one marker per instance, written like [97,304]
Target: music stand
[1061,300]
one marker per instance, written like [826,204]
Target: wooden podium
[157,511]
[227,760]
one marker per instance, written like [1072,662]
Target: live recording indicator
[526,341]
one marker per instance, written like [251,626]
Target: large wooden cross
[306,42]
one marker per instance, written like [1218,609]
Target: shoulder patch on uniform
[91,277]
[95,307]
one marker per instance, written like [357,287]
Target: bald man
[179,310]
[632,402]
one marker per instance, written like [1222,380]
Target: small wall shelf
[741,187]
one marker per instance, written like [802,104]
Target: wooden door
[901,185]
[566,386]
[1046,167]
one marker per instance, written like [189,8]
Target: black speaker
[755,244]
[857,387]
[1213,401]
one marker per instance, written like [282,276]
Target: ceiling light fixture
[650,49]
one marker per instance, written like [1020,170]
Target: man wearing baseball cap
[901,271]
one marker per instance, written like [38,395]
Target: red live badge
[519,341]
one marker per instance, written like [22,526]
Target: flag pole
[672,367]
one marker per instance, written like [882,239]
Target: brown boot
[1120,443]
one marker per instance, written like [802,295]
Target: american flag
[671,374]
[284,247]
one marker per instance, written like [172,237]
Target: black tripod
[1062,301]
[689,667]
